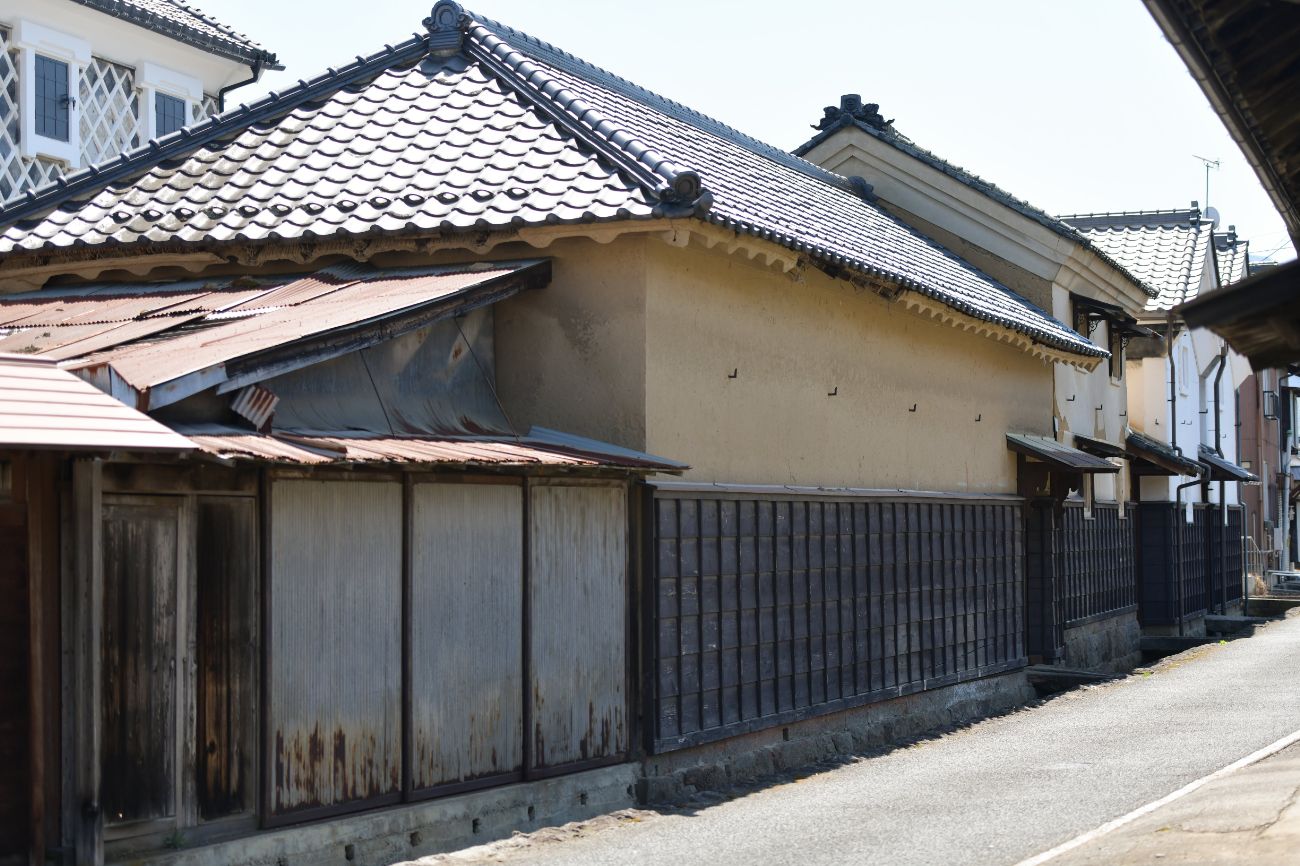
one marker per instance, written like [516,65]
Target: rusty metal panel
[42,406]
[226,653]
[335,643]
[578,610]
[141,563]
[466,632]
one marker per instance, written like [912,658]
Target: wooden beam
[87,638]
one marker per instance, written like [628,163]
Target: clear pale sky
[1074,105]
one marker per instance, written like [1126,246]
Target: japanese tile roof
[1161,455]
[1224,470]
[186,23]
[1167,250]
[42,406]
[1232,256]
[490,130]
[851,112]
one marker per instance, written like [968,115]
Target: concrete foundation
[398,833]
[1110,645]
[750,757]
[1194,627]
[401,833]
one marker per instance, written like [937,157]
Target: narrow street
[1009,788]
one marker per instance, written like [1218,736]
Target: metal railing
[1260,562]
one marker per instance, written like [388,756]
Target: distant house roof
[152,346]
[185,23]
[851,112]
[489,131]
[42,406]
[1232,255]
[1167,250]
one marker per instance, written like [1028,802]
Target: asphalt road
[995,793]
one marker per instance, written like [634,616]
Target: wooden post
[87,638]
[40,487]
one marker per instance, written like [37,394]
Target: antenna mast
[1209,164]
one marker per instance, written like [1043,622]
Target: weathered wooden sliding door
[145,601]
[467,685]
[179,663]
[335,667]
[578,608]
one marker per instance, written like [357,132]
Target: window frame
[154,80]
[1115,342]
[36,40]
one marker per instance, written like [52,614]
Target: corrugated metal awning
[1057,455]
[42,406]
[314,448]
[1225,470]
[1153,457]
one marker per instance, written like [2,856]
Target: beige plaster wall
[790,344]
[572,356]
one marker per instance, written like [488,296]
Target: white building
[81,81]
[1178,397]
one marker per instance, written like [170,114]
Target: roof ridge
[586,69]
[663,178]
[901,141]
[1194,213]
[189,138]
[212,22]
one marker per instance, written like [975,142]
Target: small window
[1087,497]
[53,103]
[1116,351]
[1080,319]
[169,114]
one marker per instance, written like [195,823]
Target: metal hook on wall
[833,392]
[913,409]
[734,373]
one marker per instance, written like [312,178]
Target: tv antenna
[1209,164]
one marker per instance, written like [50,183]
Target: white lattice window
[200,111]
[18,173]
[110,111]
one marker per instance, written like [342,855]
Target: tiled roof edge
[1136,218]
[661,177]
[562,59]
[1086,348]
[992,190]
[234,45]
[189,138]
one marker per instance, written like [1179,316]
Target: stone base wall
[1192,627]
[750,757]
[1111,645]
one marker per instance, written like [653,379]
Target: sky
[1077,106]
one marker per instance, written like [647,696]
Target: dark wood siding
[139,662]
[773,609]
[14,744]
[1097,563]
[226,653]
[1161,544]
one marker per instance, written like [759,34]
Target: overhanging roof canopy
[1056,455]
[1225,470]
[1153,457]
[42,406]
[1259,317]
[152,347]
[1118,317]
[1099,447]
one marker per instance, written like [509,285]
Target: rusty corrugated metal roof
[42,406]
[314,448]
